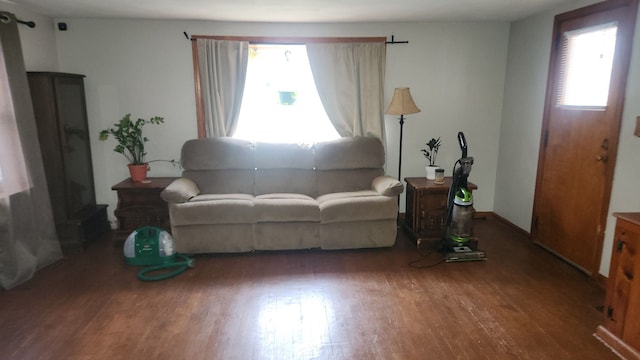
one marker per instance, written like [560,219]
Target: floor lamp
[402,104]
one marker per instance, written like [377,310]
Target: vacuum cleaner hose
[180,265]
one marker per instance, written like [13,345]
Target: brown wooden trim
[608,5]
[619,346]
[291,40]
[198,92]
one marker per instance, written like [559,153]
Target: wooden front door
[580,130]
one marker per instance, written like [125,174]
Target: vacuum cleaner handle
[463,144]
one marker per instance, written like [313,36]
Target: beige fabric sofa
[237,196]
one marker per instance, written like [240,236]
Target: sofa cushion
[283,156]
[286,207]
[356,206]
[217,154]
[222,181]
[203,210]
[284,168]
[332,181]
[346,195]
[298,181]
[350,153]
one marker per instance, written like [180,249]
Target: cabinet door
[631,334]
[630,265]
[433,211]
[44,107]
[410,212]
[75,146]
[621,276]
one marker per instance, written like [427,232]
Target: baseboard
[618,346]
[500,219]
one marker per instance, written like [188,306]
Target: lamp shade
[402,103]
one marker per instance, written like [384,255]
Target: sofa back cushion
[284,168]
[219,165]
[234,166]
[348,164]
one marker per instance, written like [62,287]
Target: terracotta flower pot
[138,172]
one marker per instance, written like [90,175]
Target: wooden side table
[140,204]
[426,208]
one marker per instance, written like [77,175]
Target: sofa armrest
[180,190]
[387,186]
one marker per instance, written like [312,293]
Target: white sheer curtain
[350,82]
[13,173]
[223,70]
[28,239]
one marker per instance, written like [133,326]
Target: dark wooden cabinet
[140,204]
[426,208]
[63,132]
[621,327]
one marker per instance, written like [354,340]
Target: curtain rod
[30,24]
[7,19]
[392,42]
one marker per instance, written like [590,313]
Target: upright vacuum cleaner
[458,243]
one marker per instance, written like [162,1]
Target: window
[586,63]
[351,87]
[280,101]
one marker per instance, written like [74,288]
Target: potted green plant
[131,141]
[430,153]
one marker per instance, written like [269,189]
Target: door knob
[602,157]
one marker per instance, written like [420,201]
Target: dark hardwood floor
[522,303]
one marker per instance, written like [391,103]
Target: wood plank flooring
[523,303]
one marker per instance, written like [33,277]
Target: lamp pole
[400,155]
[401,104]
[400,150]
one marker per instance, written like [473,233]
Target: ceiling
[294,10]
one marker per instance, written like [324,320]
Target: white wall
[38,44]
[525,87]
[455,72]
